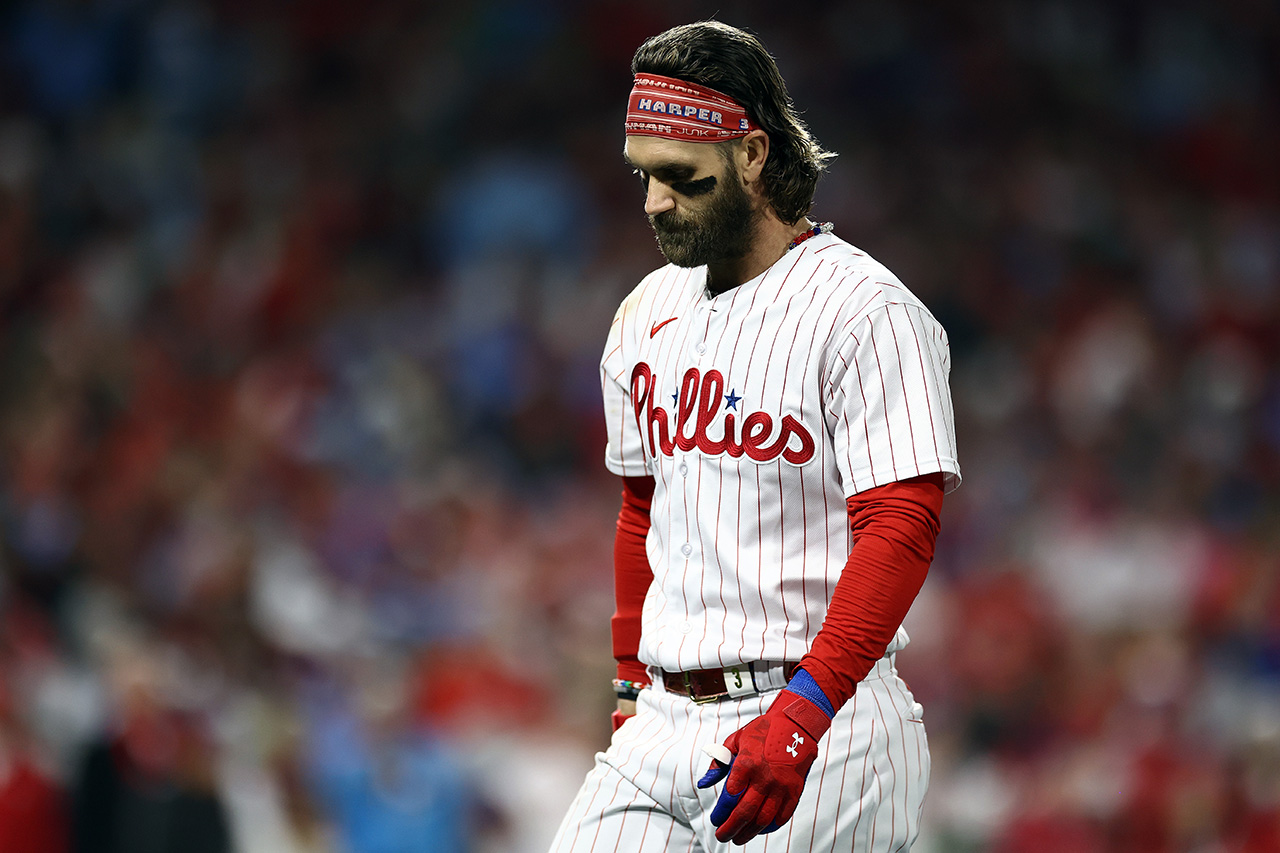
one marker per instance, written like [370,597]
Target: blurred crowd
[305,535]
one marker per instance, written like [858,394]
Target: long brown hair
[735,62]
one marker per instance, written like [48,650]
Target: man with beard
[778,411]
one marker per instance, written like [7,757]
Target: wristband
[628,689]
[802,684]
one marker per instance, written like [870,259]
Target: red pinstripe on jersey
[749,535]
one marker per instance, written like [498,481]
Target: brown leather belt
[712,685]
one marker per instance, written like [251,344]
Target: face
[696,203]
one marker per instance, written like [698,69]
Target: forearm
[894,529]
[632,576]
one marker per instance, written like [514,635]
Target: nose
[658,198]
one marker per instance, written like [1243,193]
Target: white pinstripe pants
[864,792]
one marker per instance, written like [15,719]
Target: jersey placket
[687,466]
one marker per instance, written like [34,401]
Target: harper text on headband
[677,109]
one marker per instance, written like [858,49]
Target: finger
[786,811]
[714,774]
[725,804]
[767,817]
[761,821]
[746,835]
[740,825]
[721,764]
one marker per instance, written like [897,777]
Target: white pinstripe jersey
[758,412]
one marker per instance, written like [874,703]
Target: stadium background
[306,535]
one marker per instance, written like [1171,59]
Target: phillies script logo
[698,404]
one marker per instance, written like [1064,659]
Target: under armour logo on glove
[767,770]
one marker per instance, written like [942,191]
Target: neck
[771,240]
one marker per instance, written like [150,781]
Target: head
[697,199]
[734,62]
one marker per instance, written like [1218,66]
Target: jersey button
[684,469]
[686,628]
[701,348]
[686,549]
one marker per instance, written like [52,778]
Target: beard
[721,231]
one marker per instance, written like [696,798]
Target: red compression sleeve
[895,527]
[631,575]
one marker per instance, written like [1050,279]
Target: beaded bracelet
[628,689]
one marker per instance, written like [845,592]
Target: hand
[772,755]
[626,710]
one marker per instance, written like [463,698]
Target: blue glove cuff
[802,684]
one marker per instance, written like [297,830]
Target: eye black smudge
[696,188]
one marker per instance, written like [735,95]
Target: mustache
[668,220]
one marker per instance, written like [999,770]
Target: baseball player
[778,411]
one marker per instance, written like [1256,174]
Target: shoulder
[866,299]
[660,296]
[862,284]
[656,292]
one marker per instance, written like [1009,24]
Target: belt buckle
[700,700]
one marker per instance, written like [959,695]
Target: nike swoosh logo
[657,326]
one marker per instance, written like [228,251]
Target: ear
[753,151]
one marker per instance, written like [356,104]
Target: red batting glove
[618,718]
[771,758]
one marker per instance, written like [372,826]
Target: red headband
[675,109]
